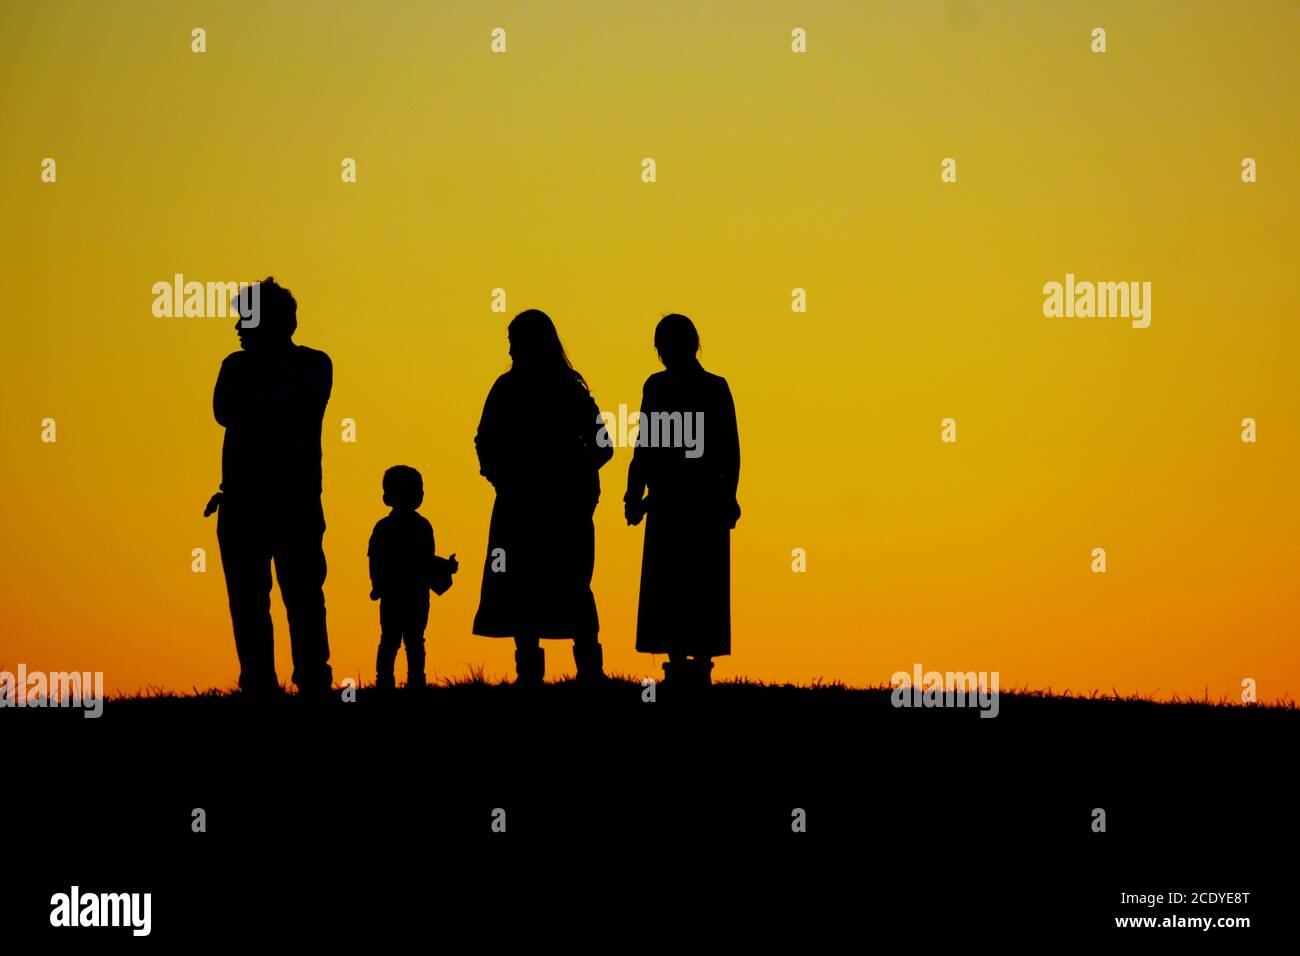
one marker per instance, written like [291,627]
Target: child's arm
[376,567]
[440,575]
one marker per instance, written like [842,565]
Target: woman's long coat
[685,603]
[537,445]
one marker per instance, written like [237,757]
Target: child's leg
[390,639]
[413,634]
[414,640]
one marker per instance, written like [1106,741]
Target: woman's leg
[589,656]
[530,660]
[690,673]
[675,668]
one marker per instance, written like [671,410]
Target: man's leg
[246,560]
[300,569]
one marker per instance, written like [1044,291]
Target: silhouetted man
[271,398]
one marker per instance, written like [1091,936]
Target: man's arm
[227,404]
[327,379]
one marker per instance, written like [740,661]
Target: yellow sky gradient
[775,170]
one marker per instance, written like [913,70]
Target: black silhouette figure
[271,398]
[685,604]
[537,445]
[403,568]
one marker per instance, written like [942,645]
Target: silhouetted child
[403,567]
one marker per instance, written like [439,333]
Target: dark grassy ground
[621,690]
[680,803]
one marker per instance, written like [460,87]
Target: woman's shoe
[702,673]
[530,667]
[590,661]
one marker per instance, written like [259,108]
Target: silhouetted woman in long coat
[685,605]
[537,444]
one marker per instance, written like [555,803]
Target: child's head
[403,488]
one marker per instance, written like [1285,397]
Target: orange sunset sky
[775,171]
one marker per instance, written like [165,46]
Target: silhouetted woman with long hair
[537,445]
[687,458]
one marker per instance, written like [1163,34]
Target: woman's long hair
[535,347]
